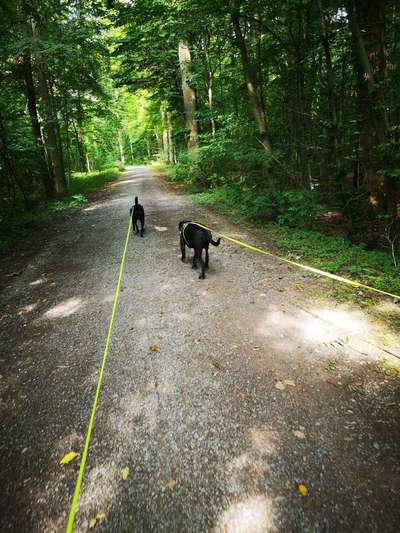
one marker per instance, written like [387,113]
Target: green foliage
[297,208]
[23,222]
[333,254]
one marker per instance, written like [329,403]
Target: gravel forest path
[252,388]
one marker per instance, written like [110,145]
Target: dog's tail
[216,243]
[136,200]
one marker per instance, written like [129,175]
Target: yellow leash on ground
[300,265]
[75,498]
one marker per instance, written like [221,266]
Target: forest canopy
[291,106]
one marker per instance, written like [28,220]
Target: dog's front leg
[183,249]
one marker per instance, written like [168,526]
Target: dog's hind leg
[183,249]
[207,258]
[142,229]
[203,267]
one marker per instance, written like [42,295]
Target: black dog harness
[184,226]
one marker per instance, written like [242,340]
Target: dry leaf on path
[125,473]
[289,383]
[154,348]
[98,518]
[299,287]
[68,458]
[348,439]
[298,434]
[303,490]
[279,385]
[171,483]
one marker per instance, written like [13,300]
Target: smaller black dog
[137,213]
[193,236]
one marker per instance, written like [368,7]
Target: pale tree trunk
[88,163]
[121,147]
[131,148]
[189,96]
[209,84]
[165,139]
[170,142]
[252,86]
[50,119]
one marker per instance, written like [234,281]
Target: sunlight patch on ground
[253,515]
[93,207]
[290,329]
[37,282]
[64,309]
[249,511]
[28,308]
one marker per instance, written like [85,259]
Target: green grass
[161,166]
[80,186]
[330,253]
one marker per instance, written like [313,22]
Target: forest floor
[221,396]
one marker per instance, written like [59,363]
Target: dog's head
[181,223]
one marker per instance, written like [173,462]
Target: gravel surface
[221,396]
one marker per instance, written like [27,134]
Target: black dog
[193,236]
[137,213]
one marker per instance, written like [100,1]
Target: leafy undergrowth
[161,166]
[80,186]
[333,254]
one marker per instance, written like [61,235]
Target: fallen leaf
[259,471]
[303,490]
[299,434]
[289,383]
[279,385]
[156,384]
[154,348]
[331,382]
[171,484]
[125,473]
[98,518]
[348,439]
[299,287]
[68,458]
[263,295]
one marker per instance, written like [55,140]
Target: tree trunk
[189,96]
[170,142]
[44,167]
[50,119]
[121,147]
[209,77]
[81,148]
[330,80]
[367,21]
[252,86]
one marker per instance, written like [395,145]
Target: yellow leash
[77,490]
[300,265]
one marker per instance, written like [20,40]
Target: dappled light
[38,281]
[252,515]
[290,329]
[64,309]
